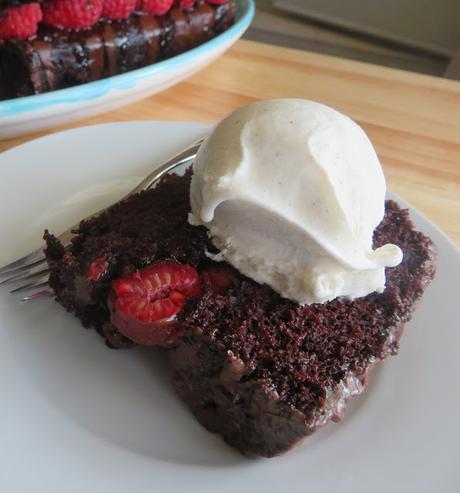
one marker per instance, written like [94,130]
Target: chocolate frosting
[14,3]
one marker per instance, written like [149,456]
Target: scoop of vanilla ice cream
[291,192]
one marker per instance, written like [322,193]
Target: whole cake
[256,366]
[44,51]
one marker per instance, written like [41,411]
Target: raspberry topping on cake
[72,14]
[20,22]
[97,269]
[117,9]
[156,7]
[185,4]
[220,277]
[145,304]
[217,2]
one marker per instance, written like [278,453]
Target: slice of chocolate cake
[258,369]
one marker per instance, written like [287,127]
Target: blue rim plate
[93,90]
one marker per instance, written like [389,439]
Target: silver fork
[31,270]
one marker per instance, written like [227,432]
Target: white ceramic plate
[21,116]
[76,416]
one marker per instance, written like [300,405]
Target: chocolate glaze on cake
[14,3]
[56,59]
[260,370]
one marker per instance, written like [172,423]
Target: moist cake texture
[256,368]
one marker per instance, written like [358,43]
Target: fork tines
[25,273]
[38,294]
[19,265]
[31,271]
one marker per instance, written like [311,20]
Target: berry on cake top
[20,20]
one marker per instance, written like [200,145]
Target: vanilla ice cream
[291,192]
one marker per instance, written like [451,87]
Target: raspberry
[184,4]
[217,2]
[97,269]
[157,7]
[72,14]
[117,9]
[20,22]
[144,305]
[219,277]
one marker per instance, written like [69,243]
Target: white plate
[21,116]
[76,416]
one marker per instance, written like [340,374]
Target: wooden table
[413,120]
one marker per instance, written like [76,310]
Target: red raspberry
[117,9]
[184,4]
[144,305]
[217,2]
[220,277]
[20,22]
[72,14]
[157,7]
[97,269]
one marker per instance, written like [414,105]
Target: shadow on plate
[124,397]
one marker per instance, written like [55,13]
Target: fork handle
[182,158]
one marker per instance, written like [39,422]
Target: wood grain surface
[413,120]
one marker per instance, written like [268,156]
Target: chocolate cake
[56,58]
[258,369]
[14,3]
